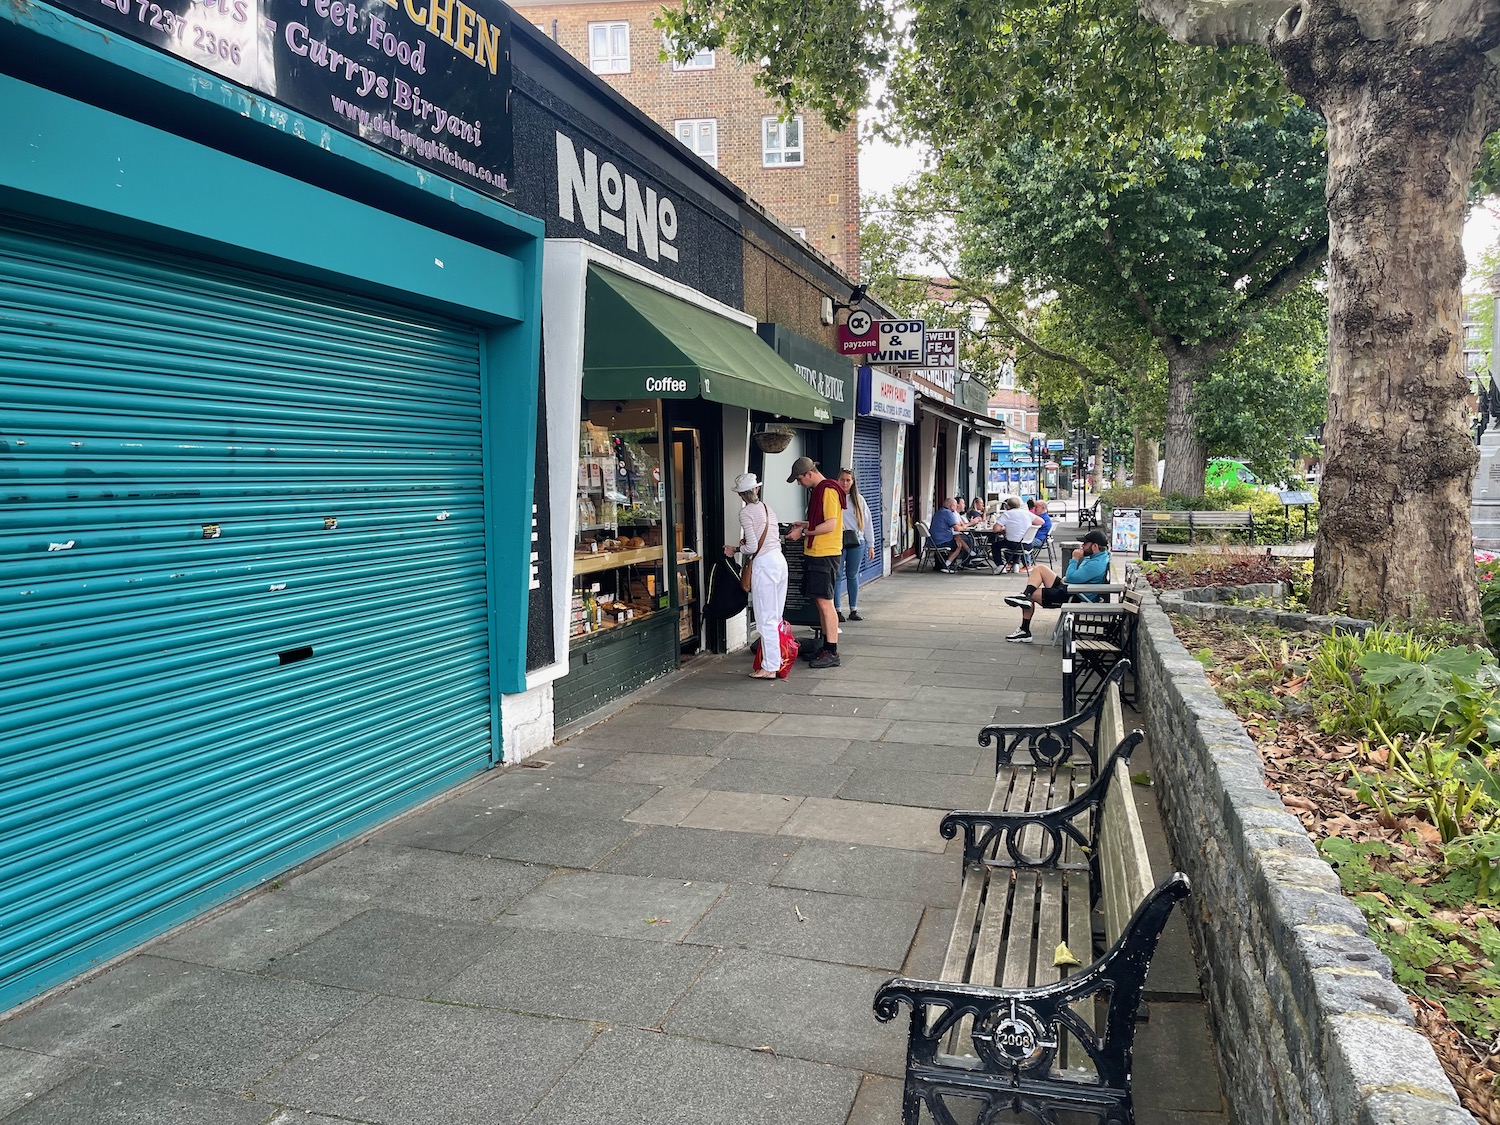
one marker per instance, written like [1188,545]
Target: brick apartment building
[1013,406]
[801,171]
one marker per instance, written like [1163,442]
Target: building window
[609,48]
[1018,419]
[800,232]
[703,60]
[702,136]
[780,141]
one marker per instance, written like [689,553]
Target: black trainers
[841,615]
[1019,601]
[855,615]
[1020,637]
[811,651]
[825,659]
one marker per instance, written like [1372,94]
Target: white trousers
[768,599]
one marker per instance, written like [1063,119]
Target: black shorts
[818,578]
[1054,596]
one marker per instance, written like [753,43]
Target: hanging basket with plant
[774,440]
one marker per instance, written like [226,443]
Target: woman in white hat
[760,543]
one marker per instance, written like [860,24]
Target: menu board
[426,79]
[1125,531]
[799,610]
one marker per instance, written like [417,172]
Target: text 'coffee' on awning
[639,342]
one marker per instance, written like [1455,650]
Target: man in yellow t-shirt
[824,530]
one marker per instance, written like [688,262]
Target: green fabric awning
[641,343]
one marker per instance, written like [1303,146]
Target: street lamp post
[1039,452]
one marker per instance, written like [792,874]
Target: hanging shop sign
[939,365]
[426,79]
[859,335]
[902,343]
[884,396]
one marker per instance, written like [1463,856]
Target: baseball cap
[1097,539]
[799,466]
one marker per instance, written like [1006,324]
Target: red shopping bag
[789,650]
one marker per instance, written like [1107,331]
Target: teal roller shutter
[867,473]
[243,608]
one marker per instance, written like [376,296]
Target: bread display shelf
[609,560]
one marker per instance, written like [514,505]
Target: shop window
[702,136]
[619,553]
[781,141]
[609,48]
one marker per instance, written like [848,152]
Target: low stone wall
[1309,1026]
[1221,603]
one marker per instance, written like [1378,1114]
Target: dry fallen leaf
[1064,956]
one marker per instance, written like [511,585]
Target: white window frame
[612,60]
[800,232]
[694,128]
[774,151]
[703,60]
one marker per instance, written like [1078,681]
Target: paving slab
[556,841]
[256,932]
[409,1061]
[782,748]
[743,812]
[754,999]
[182,1022]
[573,761]
[873,688]
[464,887]
[615,905]
[628,1077]
[930,947]
[659,769]
[303,1117]
[811,924]
[671,806]
[1175,1066]
[581,976]
[546,792]
[878,1101]
[743,775]
[26,1076]
[943,791]
[643,740]
[449,827]
[107,1097]
[935,733]
[392,954]
[741,722]
[702,854]
[820,726]
[861,822]
[869,872]
[916,758]
[818,702]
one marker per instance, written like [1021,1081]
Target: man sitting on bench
[1090,564]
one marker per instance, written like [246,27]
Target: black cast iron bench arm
[1016,1031]
[1055,826]
[1053,744]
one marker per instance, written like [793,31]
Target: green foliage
[1454,692]
[1489,600]
[1415,910]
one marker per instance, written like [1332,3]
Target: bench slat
[1125,878]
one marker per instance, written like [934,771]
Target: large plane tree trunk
[1405,125]
[1184,451]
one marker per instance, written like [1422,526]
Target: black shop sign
[426,79]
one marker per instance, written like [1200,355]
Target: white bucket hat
[745,482]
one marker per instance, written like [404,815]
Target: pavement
[678,916]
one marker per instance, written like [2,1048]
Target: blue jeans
[848,575]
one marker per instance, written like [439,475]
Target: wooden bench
[1098,648]
[1074,743]
[1197,525]
[1057,861]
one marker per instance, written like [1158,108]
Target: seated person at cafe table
[1016,523]
[946,527]
[1044,587]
